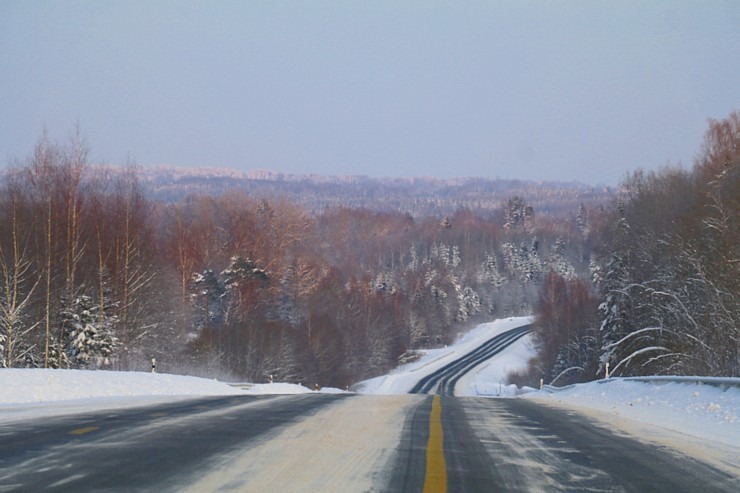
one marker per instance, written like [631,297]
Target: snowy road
[70,430]
[145,449]
[444,380]
[324,442]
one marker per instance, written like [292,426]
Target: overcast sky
[578,90]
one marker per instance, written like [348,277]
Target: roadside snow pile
[700,410]
[36,393]
[403,378]
[40,385]
[286,388]
[25,386]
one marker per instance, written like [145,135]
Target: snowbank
[706,411]
[287,388]
[39,385]
[34,393]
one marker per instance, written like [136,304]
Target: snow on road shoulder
[33,393]
[699,421]
[706,411]
[39,385]
[287,388]
[403,378]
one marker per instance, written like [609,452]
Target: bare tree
[18,279]
[42,171]
[132,269]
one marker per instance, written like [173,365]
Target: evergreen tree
[88,336]
[488,272]
[614,312]
[469,304]
[558,263]
[207,293]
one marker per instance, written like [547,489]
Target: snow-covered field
[708,417]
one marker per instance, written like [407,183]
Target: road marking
[82,431]
[435,480]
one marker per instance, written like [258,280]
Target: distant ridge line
[269,175]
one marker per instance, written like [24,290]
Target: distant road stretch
[443,381]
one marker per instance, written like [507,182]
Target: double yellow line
[435,479]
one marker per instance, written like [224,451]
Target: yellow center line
[82,431]
[435,480]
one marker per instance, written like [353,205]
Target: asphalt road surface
[343,443]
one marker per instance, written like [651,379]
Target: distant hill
[417,196]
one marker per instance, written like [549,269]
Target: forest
[667,297]
[97,273]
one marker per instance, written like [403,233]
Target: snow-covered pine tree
[488,272]
[469,303]
[523,263]
[533,264]
[207,297]
[455,259]
[558,263]
[517,214]
[240,270]
[582,221]
[88,336]
[614,311]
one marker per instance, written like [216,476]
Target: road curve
[443,380]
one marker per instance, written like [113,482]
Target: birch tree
[18,282]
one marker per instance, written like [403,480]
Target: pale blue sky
[577,90]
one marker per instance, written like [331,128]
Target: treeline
[95,274]
[418,197]
[667,298]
